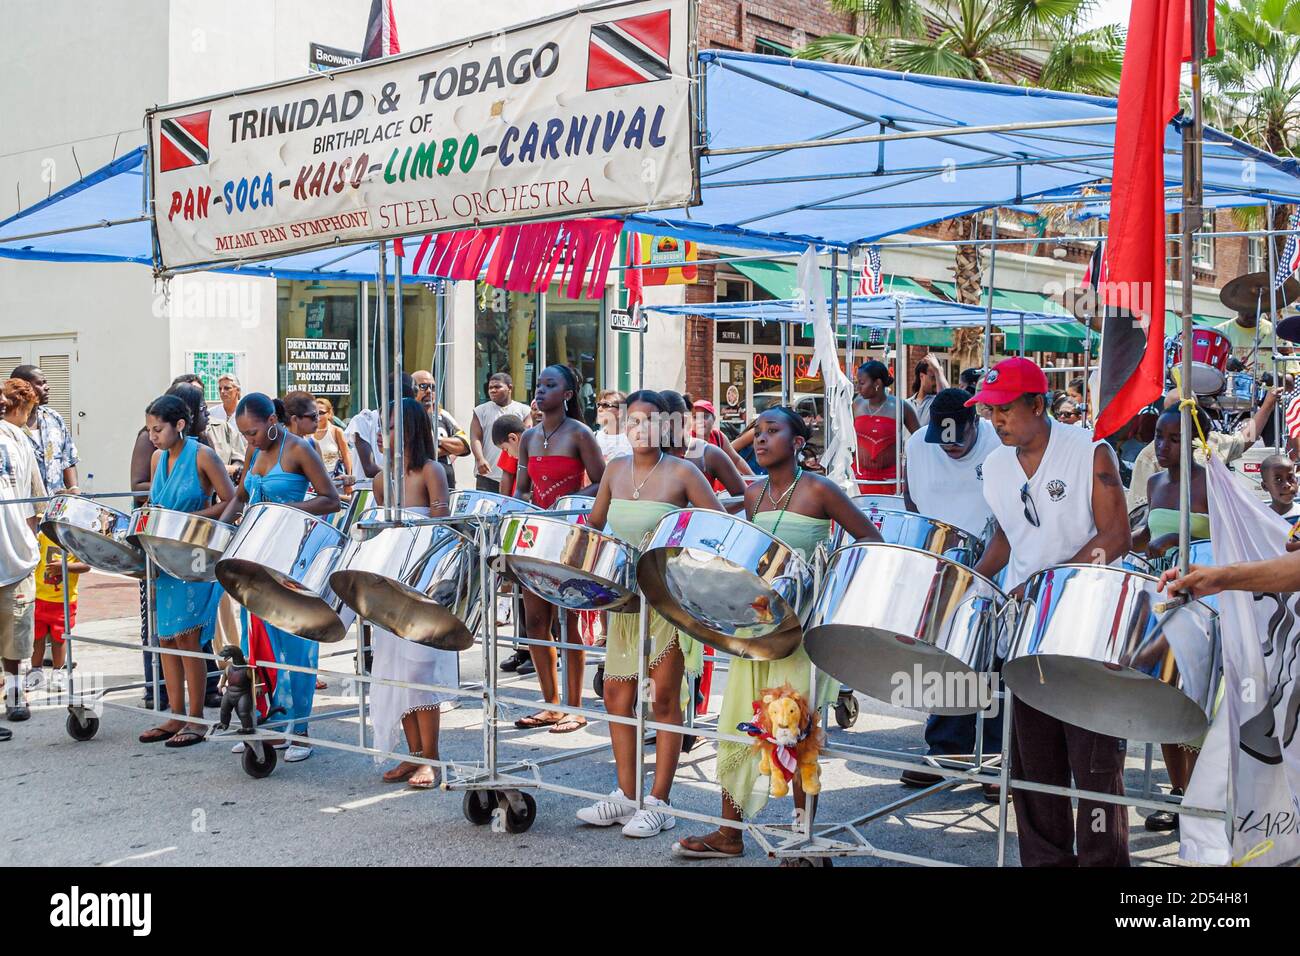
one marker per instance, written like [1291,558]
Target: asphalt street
[112,801]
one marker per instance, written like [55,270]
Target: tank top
[554,476]
[1061,492]
[277,485]
[1163,521]
[178,487]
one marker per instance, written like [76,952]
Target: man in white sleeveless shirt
[1057,499]
[945,481]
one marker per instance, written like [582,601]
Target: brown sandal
[569,724]
[534,721]
[400,775]
[704,850]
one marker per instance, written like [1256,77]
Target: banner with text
[585,113]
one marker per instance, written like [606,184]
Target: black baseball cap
[950,417]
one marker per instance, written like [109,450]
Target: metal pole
[1191,221]
[365,345]
[988,309]
[399,430]
[151,632]
[363,630]
[1087,371]
[898,399]
[67,626]
[381,333]
[848,335]
[642,683]
[1021,350]
[785,362]
[1273,315]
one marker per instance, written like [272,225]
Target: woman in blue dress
[280,469]
[184,477]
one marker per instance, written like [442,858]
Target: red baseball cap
[703,405]
[1008,380]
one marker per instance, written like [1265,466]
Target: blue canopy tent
[760,194]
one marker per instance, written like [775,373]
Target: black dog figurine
[238,696]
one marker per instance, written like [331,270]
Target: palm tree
[1252,85]
[1006,41]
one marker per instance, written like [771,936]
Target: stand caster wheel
[79,731]
[598,682]
[846,711]
[478,806]
[519,822]
[256,767]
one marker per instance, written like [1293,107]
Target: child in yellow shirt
[48,612]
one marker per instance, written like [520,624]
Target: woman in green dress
[635,492]
[798,508]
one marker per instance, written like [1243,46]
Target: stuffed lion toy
[788,738]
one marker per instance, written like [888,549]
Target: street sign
[622,320]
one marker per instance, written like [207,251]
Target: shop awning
[1064,334]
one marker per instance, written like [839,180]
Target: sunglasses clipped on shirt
[1031,509]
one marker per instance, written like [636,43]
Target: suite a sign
[580,114]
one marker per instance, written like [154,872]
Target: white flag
[1261,637]
[810,298]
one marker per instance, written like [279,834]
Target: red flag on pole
[1133,367]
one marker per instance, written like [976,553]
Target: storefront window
[505,340]
[573,338]
[321,346]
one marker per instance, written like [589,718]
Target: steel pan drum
[582,503]
[94,533]
[1087,651]
[925,534]
[880,502]
[422,583]
[570,565]
[278,566]
[184,545]
[1136,562]
[889,614]
[465,504]
[727,582]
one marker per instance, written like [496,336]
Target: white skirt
[401,660]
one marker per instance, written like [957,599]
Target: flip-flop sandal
[568,726]
[533,722]
[432,785]
[394,776]
[156,735]
[680,849]
[186,738]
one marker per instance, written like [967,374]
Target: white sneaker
[296,752]
[648,821]
[606,813]
[35,678]
[58,681]
[238,748]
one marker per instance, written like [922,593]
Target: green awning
[777,278]
[1065,337]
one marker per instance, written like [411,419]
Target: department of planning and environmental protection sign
[580,114]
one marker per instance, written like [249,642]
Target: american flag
[1292,400]
[1291,253]
[872,280]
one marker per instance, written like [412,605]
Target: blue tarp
[869,311]
[833,196]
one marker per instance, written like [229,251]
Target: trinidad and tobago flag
[184,141]
[633,50]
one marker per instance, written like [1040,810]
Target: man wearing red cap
[1057,498]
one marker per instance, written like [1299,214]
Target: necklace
[878,406]
[546,436]
[785,498]
[636,488]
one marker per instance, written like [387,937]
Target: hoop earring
[269,435]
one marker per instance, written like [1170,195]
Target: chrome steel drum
[1136,562]
[94,533]
[727,582]
[464,504]
[186,546]
[570,565]
[880,502]
[925,534]
[582,503]
[278,566]
[907,626]
[422,582]
[1089,651]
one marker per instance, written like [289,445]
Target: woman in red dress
[561,458]
[874,422]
